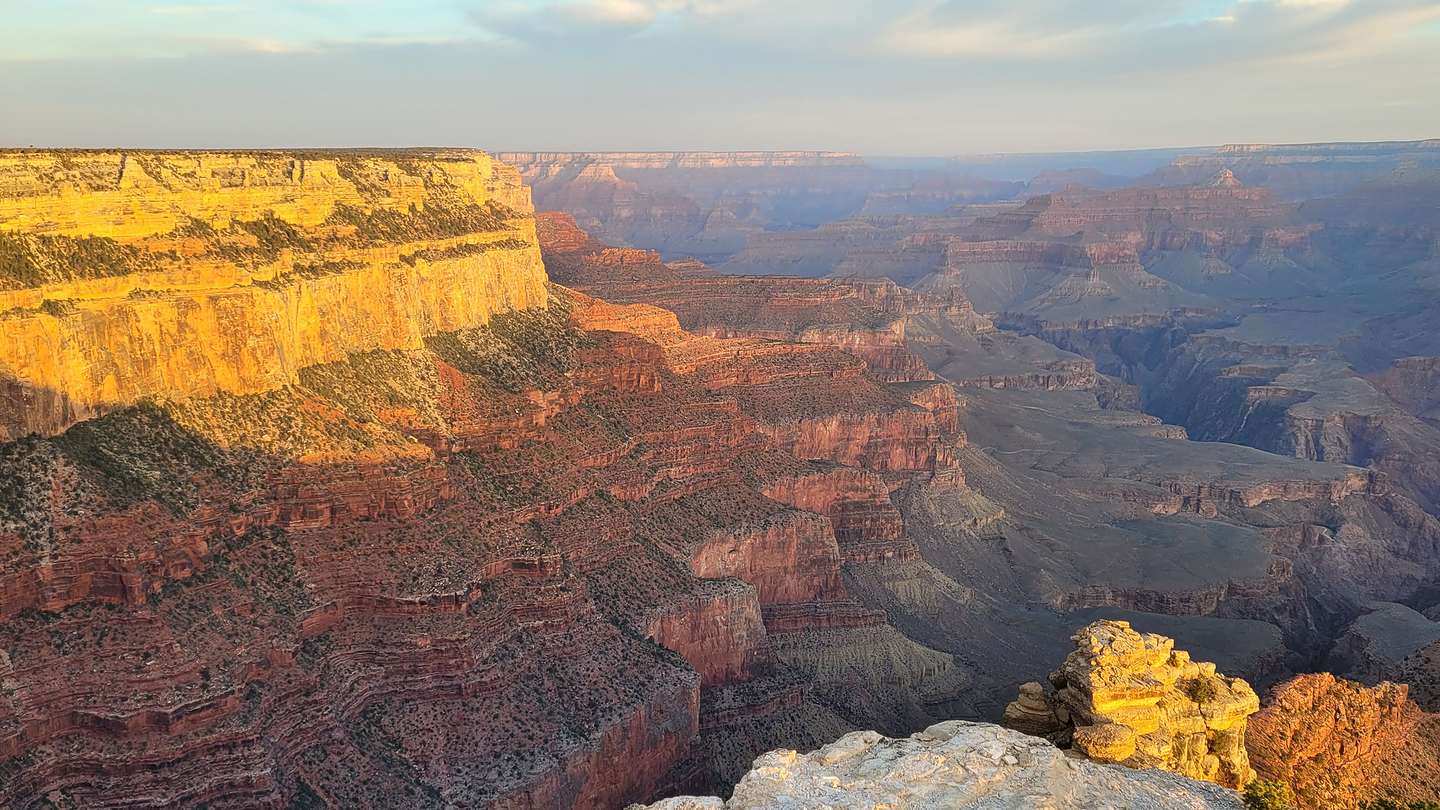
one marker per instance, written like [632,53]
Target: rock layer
[542,551]
[1133,698]
[134,274]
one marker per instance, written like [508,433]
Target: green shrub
[1200,690]
[1267,794]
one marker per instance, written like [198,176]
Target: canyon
[345,478]
[462,561]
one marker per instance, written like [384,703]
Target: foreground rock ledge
[952,765]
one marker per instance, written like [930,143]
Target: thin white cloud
[1159,35]
[991,39]
[198,8]
[601,19]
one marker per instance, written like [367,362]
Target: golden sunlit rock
[132,274]
[1133,698]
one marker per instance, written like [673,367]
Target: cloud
[886,76]
[1155,34]
[197,8]
[59,30]
[594,20]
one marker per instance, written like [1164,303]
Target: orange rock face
[1337,742]
[140,274]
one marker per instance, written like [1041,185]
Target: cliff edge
[125,275]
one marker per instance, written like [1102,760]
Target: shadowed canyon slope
[1234,312]
[1146,519]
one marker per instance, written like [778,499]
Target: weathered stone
[1032,713]
[1106,742]
[952,766]
[1134,699]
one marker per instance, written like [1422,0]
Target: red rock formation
[720,632]
[422,583]
[432,575]
[865,318]
[1337,742]
[868,527]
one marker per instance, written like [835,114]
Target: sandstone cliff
[952,765]
[132,274]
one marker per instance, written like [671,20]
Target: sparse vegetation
[516,350]
[438,219]
[1200,690]
[463,251]
[140,453]
[134,454]
[1269,794]
[273,234]
[312,270]
[32,260]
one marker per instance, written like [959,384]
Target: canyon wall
[1337,742]
[138,274]
[382,517]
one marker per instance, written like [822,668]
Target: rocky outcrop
[953,765]
[1337,743]
[1132,698]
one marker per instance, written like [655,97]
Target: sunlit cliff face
[125,275]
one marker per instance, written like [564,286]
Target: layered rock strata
[1132,698]
[867,318]
[135,274]
[515,557]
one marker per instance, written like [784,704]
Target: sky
[880,77]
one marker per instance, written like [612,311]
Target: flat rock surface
[953,765]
